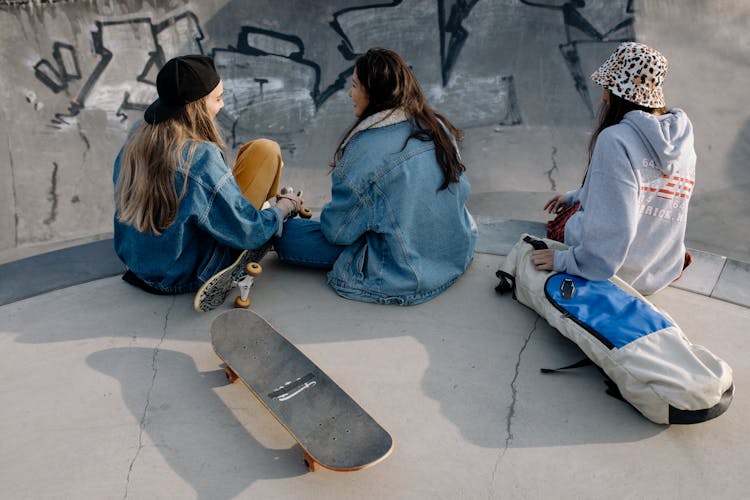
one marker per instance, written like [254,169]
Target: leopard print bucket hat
[634,72]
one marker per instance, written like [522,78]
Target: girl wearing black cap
[181,215]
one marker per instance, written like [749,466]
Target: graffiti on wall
[271,87]
[453,26]
[451,31]
[129,54]
[579,30]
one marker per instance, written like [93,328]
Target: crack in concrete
[52,195]
[512,408]
[13,190]
[551,171]
[514,391]
[85,141]
[142,424]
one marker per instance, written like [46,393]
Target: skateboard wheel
[253,269]
[309,462]
[231,376]
[244,304]
[305,213]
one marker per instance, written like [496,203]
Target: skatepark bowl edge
[109,392]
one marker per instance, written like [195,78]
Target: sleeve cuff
[279,220]
[572,196]
[558,262]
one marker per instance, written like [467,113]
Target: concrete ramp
[514,73]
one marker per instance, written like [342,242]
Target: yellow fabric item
[258,170]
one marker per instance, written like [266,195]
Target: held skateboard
[330,427]
[241,273]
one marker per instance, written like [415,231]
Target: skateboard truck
[303,212]
[245,284]
[217,288]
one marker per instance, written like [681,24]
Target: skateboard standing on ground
[332,429]
[241,273]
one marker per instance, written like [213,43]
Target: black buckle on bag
[568,288]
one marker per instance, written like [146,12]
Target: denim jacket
[214,221]
[406,240]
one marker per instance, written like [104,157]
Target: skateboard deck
[332,429]
[214,291]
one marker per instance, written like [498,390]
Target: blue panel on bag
[614,316]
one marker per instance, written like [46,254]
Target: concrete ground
[107,392]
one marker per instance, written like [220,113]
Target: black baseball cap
[182,80]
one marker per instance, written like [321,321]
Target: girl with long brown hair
[641,174]
[396,229]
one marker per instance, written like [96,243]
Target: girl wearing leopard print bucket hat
[633,203]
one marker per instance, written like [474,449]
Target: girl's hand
[555,204]
[289,204]
[543,260]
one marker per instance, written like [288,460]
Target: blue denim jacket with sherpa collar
[406,240]
[213,223]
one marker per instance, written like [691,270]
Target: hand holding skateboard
[288,193]
[245,269]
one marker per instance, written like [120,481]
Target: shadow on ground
[182,417]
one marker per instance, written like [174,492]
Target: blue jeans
[302,243]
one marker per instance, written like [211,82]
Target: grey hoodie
[634,203]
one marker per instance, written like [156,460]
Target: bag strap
[507,283]
[537,244]
[611,390]
[577,364]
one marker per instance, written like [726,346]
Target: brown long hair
[611,112]
[390,83]
[145,192]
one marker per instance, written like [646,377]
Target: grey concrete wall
[76,75]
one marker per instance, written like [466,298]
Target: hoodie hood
[669,137]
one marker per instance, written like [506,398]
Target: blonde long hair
[145,192]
